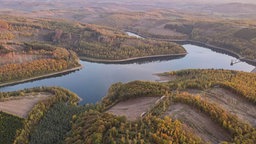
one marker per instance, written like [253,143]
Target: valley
[127,72]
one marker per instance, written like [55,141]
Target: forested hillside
[18,130]
[8,126]
[197,89]
[41,59]
[87,40]
[223,34]
[95,126]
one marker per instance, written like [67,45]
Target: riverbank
[42,76]
[198,43]
[134,59]
[218,49]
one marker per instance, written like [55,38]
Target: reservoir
[92,82]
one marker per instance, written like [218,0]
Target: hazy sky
[207,1]
[203,1]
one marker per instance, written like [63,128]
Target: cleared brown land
[233,103]
[165,78]
[21,106]
[198,123]
[230,102]
[133,108]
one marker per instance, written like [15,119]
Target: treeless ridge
[199,123]
[133,108]
[22,105]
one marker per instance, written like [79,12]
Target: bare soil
[198,123]
[22,105]
[133,108]
[165,78]
[233,103]
[230,102]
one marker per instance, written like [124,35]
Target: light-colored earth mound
[21,106]
[254,70]
[165,78]
[199,123]
[133,108]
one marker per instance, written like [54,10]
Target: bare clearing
[165,78]
[12,58]
[133,108]
[21,106]
[233,103]
[230,102]
[199,123]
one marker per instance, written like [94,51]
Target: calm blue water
[92,82]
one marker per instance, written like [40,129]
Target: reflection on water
[92,82]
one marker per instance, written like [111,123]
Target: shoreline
[166,78]
[92,60]
[41,76]
[198,43]
[132,59]
[217,49]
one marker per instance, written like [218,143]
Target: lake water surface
[92,82]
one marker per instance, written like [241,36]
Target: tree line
[56,59]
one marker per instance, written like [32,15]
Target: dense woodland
[104,128]
[238,39]
[54,59]
[19,130]
[93,41]
[88,41]
[56,123]
[39,111]
[8,126]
